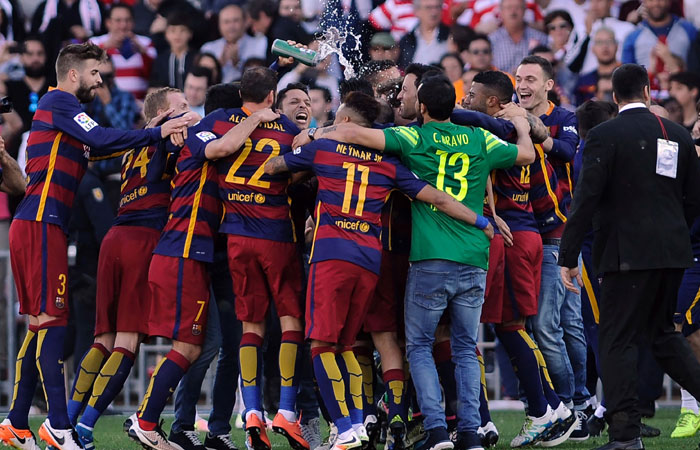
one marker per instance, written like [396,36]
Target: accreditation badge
[666,158]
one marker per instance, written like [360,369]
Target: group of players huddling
[186,181]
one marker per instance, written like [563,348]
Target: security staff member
[639,180]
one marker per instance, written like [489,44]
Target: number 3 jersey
[353,184]
[255,204]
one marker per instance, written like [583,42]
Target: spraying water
[334,38]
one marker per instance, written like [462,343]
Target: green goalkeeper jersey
[457,160]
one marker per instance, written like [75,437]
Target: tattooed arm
[345,132]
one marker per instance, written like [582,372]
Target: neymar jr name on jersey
[346,149]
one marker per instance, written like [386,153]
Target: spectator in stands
[514,39]
[576,9]
[659,39]
[287,26]
[427,42]
[261,15]
[26,92]
[112,107]
[674,108]
[580,57]
[559,27]
[453,66]
[196,84]
[485,16]
[685,87]
[396,16]
[210,62]
[383,46]
[147,20]
[604,48]
[172,65]
[235,46]
[63,19]
[458,41]
[321,105]
[132,54]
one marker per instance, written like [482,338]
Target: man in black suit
[639,186]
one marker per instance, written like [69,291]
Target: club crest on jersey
[196,329]
[85,121]
[259,198]
[60,302]
[205,136]
[142,191]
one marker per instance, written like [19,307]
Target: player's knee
[289,323]
[189,351]
[106,340]
[254,327]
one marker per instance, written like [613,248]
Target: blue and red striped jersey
[145,188]
[511,195]
[61,140]
[353,185]
[195,209]
[552,199]
[396,223]
[255,204]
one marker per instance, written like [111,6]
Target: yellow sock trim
[21,360]
[108,370]
[333,373]
[288,358]
[355,378]
[249,365]
[89,368]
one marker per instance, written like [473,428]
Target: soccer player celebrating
[516,264]
[449,258]
[178,274]
[123,295]
[263,257]
[354,183]
[61,141]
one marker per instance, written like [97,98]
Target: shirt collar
[632,105]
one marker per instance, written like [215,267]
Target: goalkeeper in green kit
[448,258]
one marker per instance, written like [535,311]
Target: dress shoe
[633,444]
[648,431]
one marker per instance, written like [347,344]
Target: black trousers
[636,310]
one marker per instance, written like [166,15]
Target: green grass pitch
[109,434]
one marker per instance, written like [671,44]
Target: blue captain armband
[481,222]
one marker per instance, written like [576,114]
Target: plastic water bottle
[303,55]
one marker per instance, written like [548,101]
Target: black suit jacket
[641,218]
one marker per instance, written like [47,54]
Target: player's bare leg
[285,421]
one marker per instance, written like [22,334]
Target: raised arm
[448,205]
[345,132]
[234,138]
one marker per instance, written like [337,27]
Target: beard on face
[35,71]
[85,93]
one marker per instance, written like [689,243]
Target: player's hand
[567,277]
[288,61]
[192,118]
[510,111]
[488,231]
[505,231]
[159,119]
[267,115]
[301,139]
[176,129]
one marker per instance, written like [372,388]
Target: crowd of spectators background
[193,44]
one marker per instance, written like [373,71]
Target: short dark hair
[478,37]
[156,100]
[540,49]
[558,13]
[418,70]
[256,84]
[255,7]
[593,113]
[540,61]
[364,105]
[32,38]
[73,56]
[222,95]
[462,36]
[452,55]
[327,97]
[690,80]
[120,5]
[216,78]
[178,18]
[437,93]
[373,67]
[354,85]
[199,71]
[498,82]
[290,87]
[629,81]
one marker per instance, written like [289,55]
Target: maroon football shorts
[261,269]
[180,298]
[123,293]
[337,299]
[39,259]
[386,308]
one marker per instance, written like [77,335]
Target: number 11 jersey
[255,204]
